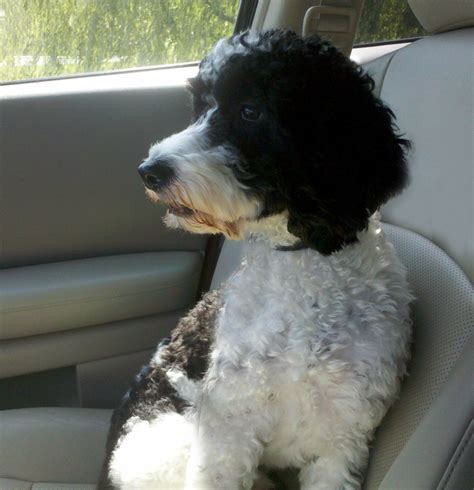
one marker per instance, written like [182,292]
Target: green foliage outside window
[47,38]
[44,38]
[386,20]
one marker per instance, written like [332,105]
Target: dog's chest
[284,307]
[305,339]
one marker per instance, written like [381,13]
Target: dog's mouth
[185,211]
[181,211]
[191,214]
[201,220]
[174,206]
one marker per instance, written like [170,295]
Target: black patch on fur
[150,393]
[325,148]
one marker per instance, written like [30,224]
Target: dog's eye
[249,113]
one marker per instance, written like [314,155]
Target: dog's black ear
[315,234]
[326,223]
[351,159]
[337,198]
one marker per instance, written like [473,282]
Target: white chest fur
[314,345]
[307,358]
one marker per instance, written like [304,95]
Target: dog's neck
[272,233]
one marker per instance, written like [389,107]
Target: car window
[50,38]
[387,20]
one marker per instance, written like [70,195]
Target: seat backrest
[421,432]
[229,260]
[429,85]
[425,441]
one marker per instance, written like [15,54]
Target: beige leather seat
[52,448]
[426,440]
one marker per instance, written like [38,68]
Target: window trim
[385,43]
[245,15]
[102,73]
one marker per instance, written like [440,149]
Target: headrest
[443,15]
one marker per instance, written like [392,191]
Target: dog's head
[284,127]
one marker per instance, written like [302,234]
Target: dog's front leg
[338,470]
[228,444]
[224,455]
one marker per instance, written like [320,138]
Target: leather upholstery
[229,261]
[459,473]
[416,439]
[78,293]
[429,85]
[69,191]
[58,445]
[8,484]
[432,456]
[69,156]
[443,15]
[72,347]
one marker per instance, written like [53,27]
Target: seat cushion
[8,484]
[52,448]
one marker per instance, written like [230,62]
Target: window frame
[385,43]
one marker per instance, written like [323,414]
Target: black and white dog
[295,361]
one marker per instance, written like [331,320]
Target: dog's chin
[273,229]
[185,217]
[200,222]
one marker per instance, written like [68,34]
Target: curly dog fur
[295,361]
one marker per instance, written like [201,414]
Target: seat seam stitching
[456,461]
[386,70]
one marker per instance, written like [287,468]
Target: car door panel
[89,274]
[70,187]
[62,296]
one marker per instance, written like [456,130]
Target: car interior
[91,280]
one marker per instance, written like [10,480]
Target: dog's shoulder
[151,392]
[191,341]
[187,350]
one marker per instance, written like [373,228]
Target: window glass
[387,20]
[47,38]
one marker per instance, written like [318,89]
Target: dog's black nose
[155,173]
